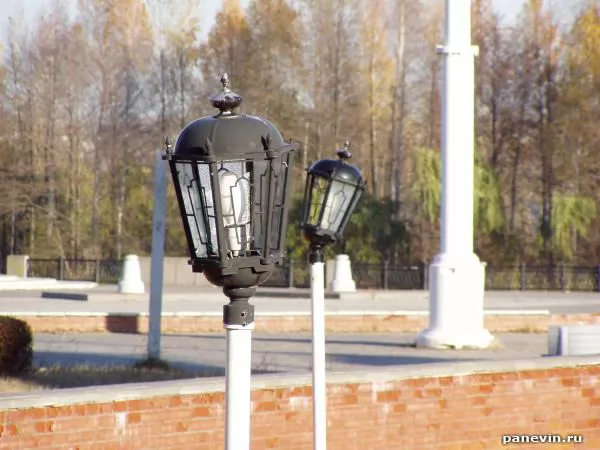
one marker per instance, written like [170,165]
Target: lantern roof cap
[339,169]
[228,134]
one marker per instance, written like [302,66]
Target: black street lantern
[333,188]
[231,174]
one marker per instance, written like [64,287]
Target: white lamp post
[333,188]
[231,176]
[159,217]
[457,276]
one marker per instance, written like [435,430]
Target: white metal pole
[458,110]
[457,278]
[319,383]
[238,387]
[159,218]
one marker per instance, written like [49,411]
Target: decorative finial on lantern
[343,153]
[168,145]
[226,83]
[226,100]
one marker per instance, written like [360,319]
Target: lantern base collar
[238,312]
[233,266]
[315,254]
[317,237]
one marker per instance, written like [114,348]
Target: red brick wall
[396,412]
[133,323]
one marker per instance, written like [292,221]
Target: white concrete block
[574,340]
[131,276]
[342,275]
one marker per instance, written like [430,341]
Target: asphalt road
[191,299]
[271,352]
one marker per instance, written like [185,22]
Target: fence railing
[98,270]
[416,276]
[540,278]
[367,276]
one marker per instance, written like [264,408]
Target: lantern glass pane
[357,192]
[279,220]
[236,203]
[318,190]
[194,181]
[259,183]
[336,205]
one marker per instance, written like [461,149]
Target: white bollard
[342,275]
[131,277]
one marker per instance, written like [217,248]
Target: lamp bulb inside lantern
[235,203]
[335,206]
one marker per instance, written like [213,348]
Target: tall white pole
[457,277]
[319,383]
[159,218]
[238,387]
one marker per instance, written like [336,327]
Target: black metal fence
[98,270]
[367,276]
[539,278]
[416,276]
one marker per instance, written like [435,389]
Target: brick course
[438,407]
[368,323]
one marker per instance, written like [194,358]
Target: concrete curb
[41,284]
[498,321]
[498,312]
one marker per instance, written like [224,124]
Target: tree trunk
[96,182]
[372,130]
[182,87]
[523,94]
[72,184]
[163,94]
[515,168]
[399,107]
[434,97]
[305,145]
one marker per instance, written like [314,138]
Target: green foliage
[372,235]
[572,215]
[488,214]
[175,243]
[16,346]
[140,182]
[426,191]
[295,242]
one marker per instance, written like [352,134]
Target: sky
[30,8]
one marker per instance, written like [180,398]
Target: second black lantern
[333,188]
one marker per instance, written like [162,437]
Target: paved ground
[210,300]
[271,352]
